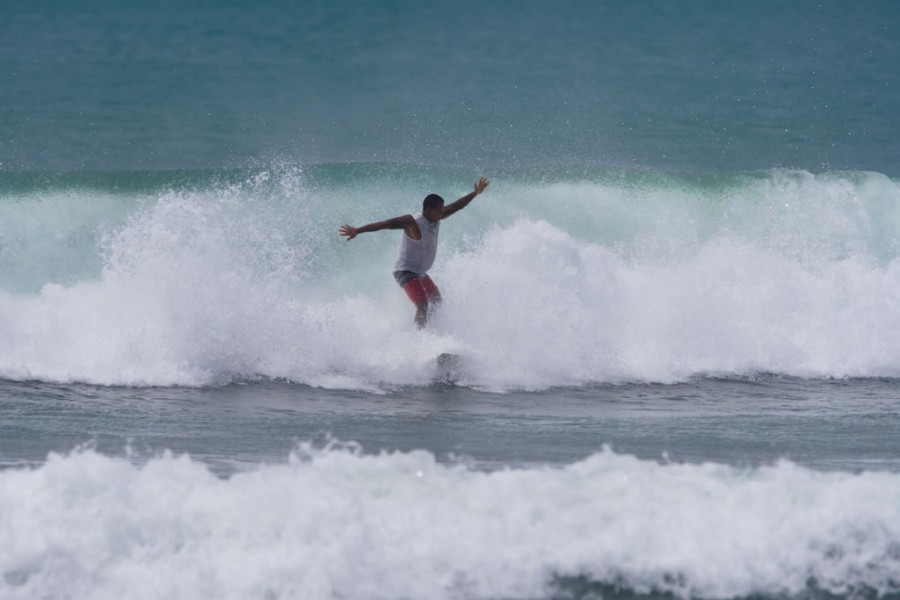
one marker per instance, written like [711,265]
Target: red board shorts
[419,288]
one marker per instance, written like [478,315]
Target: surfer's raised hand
[348,231]
[463,202]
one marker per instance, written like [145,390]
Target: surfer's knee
[432,293]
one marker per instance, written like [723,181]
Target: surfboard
[449,367]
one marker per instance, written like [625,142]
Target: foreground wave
[334,523]
[553,278]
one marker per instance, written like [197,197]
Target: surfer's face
[434,213]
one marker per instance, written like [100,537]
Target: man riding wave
[418,247]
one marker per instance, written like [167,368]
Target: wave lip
[338,524]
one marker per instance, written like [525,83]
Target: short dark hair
[432,200]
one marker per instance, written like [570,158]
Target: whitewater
[551,279]
[333,523]
[675,385]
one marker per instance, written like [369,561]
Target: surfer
[419,247]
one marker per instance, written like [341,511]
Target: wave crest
[546,284]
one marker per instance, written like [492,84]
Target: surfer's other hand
[348,232]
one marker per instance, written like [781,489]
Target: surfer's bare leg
[421,314]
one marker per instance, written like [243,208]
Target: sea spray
[552,278]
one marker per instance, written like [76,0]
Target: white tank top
[418,255]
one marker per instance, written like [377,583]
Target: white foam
[549,310]
[336,524]
[545,285]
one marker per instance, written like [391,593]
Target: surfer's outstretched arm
[404,222]
[460,204]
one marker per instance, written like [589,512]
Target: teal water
[677,303]
[703,86]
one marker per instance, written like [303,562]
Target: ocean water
[676,305]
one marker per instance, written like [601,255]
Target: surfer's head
[433,207]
